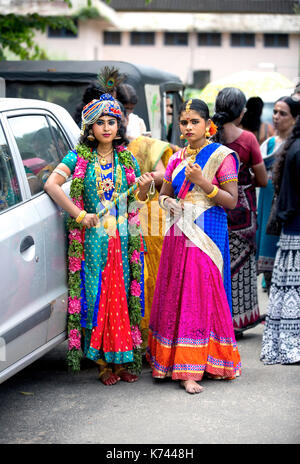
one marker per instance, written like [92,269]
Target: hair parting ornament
[188,106]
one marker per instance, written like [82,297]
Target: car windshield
[61,93]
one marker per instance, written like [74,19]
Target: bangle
[213,193]
[161,201]
[141,201]
[81,216]
[61,172]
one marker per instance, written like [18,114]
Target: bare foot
[191,386]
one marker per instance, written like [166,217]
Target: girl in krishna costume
[105,255]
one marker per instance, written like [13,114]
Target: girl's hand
[193,173]
[174,206]
[144,184]
[90,220]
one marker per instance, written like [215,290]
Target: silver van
[34,136]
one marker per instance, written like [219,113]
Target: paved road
[45,404]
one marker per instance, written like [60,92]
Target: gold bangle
[213,193]
[141,201]
[81,216]
[161,201]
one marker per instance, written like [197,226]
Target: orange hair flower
[213,128]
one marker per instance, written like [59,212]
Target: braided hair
[230,102]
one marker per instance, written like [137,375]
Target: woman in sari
[105,256]
[191,330]
[281,338]
[284,116]
[230,107]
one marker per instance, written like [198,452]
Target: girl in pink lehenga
[191,330]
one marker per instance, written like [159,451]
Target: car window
[41,144]
[10,194]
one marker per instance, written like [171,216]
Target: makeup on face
[105,128]
[192,125]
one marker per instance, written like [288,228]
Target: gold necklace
[102,157]
[193,152]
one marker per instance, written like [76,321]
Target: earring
[182,137]
[117,137]
[91,137]
[207,133]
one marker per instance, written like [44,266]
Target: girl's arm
[227,195]
[167,200]
[54,190]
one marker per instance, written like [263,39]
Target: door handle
[26,243]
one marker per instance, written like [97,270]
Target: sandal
[112,378]
[126,376]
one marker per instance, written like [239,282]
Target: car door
[33,242]
[23,310]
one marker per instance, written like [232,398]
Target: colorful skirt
[281,338]
[190,329]
[245,310]
[111,339]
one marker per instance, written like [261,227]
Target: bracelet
[81,216]
[141,201]
[161,201]
[61,172]
[213,193]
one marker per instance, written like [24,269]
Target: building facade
[198,40]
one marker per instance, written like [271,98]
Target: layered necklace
[105,184]
[193,152]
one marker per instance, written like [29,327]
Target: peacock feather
[110,78]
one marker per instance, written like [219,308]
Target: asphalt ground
[44,404]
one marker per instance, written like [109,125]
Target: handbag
[273,225]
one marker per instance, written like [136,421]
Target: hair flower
[213,128]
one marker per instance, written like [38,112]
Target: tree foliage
[17,32]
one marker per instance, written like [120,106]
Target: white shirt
[135,127]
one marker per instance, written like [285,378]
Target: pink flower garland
[74,339]
[80,168]
[130,175]
[135,288]
[136,336]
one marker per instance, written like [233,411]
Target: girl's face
[193,127]
[105,129]
[282,118]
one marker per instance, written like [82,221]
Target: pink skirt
[190,330]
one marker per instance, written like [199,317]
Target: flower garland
[75,256]
[134,255]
